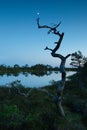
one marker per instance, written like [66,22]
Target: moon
[38,13]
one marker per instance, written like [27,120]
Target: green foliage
[10,117]
[39,112]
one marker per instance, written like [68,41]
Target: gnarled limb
[51,29]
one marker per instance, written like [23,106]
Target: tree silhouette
[78,61]
[60,87]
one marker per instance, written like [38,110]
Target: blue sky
[21,42]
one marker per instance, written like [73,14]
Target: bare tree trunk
[62,64]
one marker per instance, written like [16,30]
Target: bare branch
[57,55]
[67,56]
[39,26]
[52,29]
[58,25]
[58,43]
[48,49]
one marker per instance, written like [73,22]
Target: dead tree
[62,64]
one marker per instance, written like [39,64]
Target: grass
[39,112]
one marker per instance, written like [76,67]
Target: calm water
[32,80]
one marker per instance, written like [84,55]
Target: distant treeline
[38,69]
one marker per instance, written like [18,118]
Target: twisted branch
[52,29]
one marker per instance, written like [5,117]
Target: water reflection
[32,80]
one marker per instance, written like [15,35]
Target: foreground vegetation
[39,112]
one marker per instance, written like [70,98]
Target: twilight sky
[21,42]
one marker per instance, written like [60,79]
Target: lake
[29,80]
